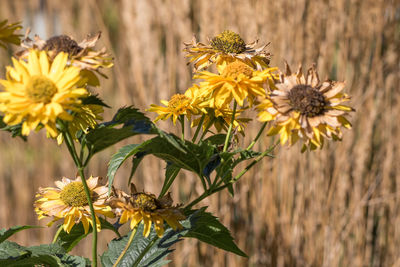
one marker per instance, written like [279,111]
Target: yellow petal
[44,63]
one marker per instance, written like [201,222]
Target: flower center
[307,100]
[178,101]
[144,202]
[228,42]
[40,89]
[62,43]
[73,194]
[236,68]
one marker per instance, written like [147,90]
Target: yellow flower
[226,47]
[7,34]
[145,206]
[303,108]
[69,202]
[82,55]
[38,93]
[85,117]
[237,81]
[179,104]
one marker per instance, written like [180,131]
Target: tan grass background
[335,207]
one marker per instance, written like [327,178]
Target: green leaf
[94,100]
[143,251]
[6,233]
[106,134]
[171,171]
[77,233]
[216,139]
[207,228]
[152,250]
[11,250]
[12,254]
[119,158]
[183,154]
[69,241]
[135,164]
[56,251]
[15,130]
[190,156]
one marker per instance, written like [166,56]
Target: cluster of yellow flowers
[68,202]
[298,105]
[49,82]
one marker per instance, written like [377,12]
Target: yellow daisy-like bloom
[82,55]
[226,47]
[7,34]
[38,93]
[303,108]
[237,81]
[69,202]
[140,206]
[179,104]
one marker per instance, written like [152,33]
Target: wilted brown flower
[303,108]
[140,206]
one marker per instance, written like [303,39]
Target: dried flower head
[141,206]
[82,55]
[226,47]
[303,108]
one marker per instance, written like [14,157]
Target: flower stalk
[229,134]
[128,244]
[78,163]
[258,136]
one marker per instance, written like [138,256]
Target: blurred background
[334,207]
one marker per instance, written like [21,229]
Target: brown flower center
[144,201]
[307,100]
[40,89]
[73,194]
[236,68]
[62,43]
[228,42]
[178,101]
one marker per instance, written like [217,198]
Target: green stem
[71,148]
[209,124]
[182,120]
[127,246]
[198,128]
[258,136]
[148,247]
[89,156]
[197,200]
[256,160]
[228,135]
[93,215]
[57,234]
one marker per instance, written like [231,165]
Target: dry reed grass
[335,207]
